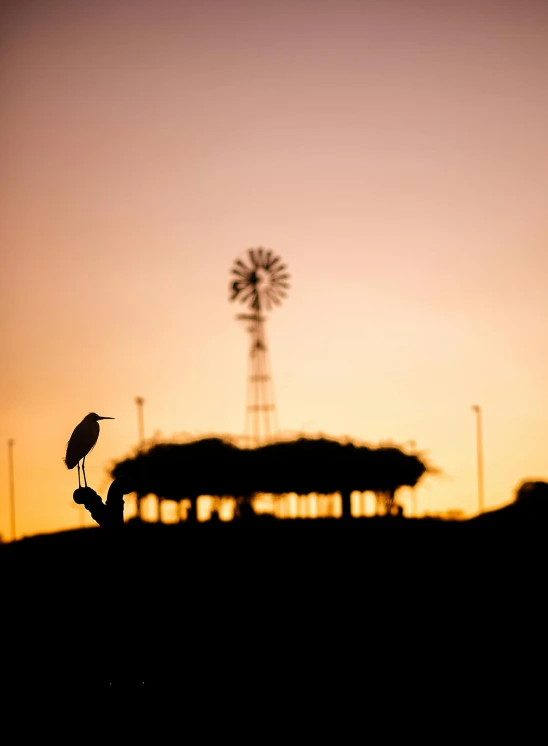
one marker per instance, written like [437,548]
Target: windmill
[260,284]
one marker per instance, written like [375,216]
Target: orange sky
[394,153]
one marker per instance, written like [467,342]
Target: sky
[392,152]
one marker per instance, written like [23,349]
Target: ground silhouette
[306,598]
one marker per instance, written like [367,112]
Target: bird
[83,439]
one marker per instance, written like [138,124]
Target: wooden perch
[110,514]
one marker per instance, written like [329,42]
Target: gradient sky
[393,152]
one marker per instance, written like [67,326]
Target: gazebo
[304,466]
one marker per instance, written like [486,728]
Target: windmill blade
[279,268]
[272,263]
[283,276]
[240,264]
[241,273]
[256,302]
[272,295]
[267,260]
[276,293]
[248,293]
[282,286]
[253,258]
[237,287]
[260,257]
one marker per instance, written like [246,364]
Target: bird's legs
[84,471]
[78,465]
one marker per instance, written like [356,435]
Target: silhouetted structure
[140,402]
[479,446]
[215,467]
[11,443]
[261,285]
[109,514]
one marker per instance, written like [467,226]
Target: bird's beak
[106,418]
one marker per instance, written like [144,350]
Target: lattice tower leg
[261,419]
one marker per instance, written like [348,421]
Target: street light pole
[479,443]
[11,443]
[140,419]
[141,435]
[414,509]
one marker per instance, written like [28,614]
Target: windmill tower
[260,284]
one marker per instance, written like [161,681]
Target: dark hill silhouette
[195,602]
[528,511]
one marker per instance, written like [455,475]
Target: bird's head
[93,417]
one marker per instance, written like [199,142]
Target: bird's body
[81,442]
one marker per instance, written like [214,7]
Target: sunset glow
[393,153]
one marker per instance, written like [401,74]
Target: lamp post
[140,419]
[414,509]
[141,435]
[479,444]
[11,443]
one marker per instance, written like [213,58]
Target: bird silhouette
[82,440]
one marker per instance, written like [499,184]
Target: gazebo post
[346,503]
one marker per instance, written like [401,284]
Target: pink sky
[394,153]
